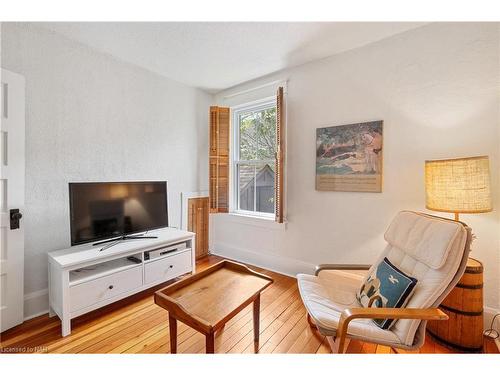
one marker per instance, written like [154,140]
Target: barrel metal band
[460,312]
[473,271]
[465,286]
[454,346]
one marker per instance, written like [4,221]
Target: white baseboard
[284,265]
[36,304]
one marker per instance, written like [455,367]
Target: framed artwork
[349,157]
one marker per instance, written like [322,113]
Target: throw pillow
[386,286]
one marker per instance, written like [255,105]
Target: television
[104,210]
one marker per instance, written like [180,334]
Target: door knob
[15,216]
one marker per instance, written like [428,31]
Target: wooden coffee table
[207,300]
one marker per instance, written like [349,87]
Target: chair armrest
[383,313]
[325,267]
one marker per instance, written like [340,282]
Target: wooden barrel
[463,330]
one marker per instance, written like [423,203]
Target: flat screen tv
[103,210]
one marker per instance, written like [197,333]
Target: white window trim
[256,221]
[235,161]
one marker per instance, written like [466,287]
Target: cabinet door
[202,225]
[198,209]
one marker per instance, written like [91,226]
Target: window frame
[258,105]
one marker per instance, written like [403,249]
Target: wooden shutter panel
[223,132]
[213,131]
[280,156]
[219,159]
[212,193]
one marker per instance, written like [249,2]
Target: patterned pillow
[386,286]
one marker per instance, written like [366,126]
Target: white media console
[82,278]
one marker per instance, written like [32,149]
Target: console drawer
[167,268]
[98,290]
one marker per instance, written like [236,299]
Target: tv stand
[83,278]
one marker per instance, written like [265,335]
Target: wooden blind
[219,159]
[280,156]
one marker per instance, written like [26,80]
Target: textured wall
[90,117]
[437,90]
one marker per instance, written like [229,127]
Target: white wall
[437,90]
[91,117]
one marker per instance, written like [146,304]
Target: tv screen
[101,210]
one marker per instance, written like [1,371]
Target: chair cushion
[327,295]
[432,282]
[386,286]
[427,240]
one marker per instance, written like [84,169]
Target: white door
[12,199]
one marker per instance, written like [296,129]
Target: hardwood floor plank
[278,336]
[88,334]
[369,348]
[428,347]
[246,332]
[159,342]
[303,340]
[292,336]
[140,338]
[25,336]
[324,348]
[381,349]
[124,332]
[355,346]
[278,329]
[91,329]
[314,342]
[32,324]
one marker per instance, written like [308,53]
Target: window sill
[256,221]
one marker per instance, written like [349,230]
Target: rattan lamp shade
[458,185]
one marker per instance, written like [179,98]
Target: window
[254,158]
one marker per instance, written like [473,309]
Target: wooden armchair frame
[337,343]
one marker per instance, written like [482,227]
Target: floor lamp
[461,186]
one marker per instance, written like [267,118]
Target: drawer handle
[166,270]
[110,287]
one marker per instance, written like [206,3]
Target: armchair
[432,249]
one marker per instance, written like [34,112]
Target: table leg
[210,342]
[256,319]
[172,323]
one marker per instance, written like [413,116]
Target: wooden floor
[137,325]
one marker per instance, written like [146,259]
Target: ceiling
[217,55]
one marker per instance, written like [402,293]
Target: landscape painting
[349,157]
